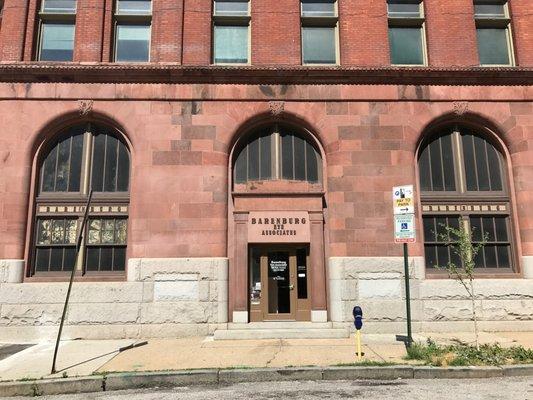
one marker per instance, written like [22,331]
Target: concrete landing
[281,330]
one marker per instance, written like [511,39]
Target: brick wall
[182,32]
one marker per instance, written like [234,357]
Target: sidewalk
[85,357]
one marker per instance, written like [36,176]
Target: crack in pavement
[276,353]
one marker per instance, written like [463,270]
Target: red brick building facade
[184,255]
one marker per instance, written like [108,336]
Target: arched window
[277,152]
[83,157]
[463,184]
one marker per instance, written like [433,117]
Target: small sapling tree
[459,239]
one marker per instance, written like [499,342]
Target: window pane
[231,44]
[495,170]
[503,256]
[42,259]
[98,163]
[488,229]
[57,42]
[133,43]
[59,6]
[476,229]
[447,161]
[406,46]
[443,257]
[492,46]
[266,157]
[56,259]
[241,166]
[69,261]
[95,225]
[470,162]
[318,45]
[119,259]
[287,157]
[58,231]
[228,7]
[489,10]
[429,229]
[253,160]
[93,259]
[318,8]
[110,173]
[403,9]
[108,231]
[501,229]
[106,259]
[431,256]
[75,163]
[121,231]
[481,164]
[71,231]
[123,178]
[134,7]
[436,165]
[299,159]
[424,170]
[63,166]
[44,231]
[49,171]
[312,158]
[490,257]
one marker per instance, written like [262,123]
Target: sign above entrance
[279,227]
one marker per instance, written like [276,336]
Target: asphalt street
[518,388]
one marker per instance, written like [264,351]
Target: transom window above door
[277,153]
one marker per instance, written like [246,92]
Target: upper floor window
[277,152]
[463,185]
[319,31]
[406,32]
[494,39]
[57,21]
[231,31]
[82,158]
[133,20]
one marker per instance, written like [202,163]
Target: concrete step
[295,333]
[281,325]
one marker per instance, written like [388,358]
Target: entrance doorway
[279,283]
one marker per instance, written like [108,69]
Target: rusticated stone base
[162,298]
[437,305]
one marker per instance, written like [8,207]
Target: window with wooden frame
[57,23]
[231,31]
[133,27]
[319,19]
[407,39]
[463,185]
[493,29]
[275,153]
[84,157]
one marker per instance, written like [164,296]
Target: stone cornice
[29,72]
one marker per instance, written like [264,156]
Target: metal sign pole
[73,272]
[407,294]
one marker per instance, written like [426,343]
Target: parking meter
[358,317]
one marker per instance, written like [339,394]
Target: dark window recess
[106,245]
[297,159]
[497,250]
[55,249]
[438,253]
[437,171]
[483,164]
[61,171]
[110,172]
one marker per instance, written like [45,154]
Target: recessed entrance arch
[276,228]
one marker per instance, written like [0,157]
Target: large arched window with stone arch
[463,184]
[277,152]
[80,158]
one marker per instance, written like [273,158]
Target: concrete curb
[132,380]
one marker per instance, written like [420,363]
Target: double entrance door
[279,283]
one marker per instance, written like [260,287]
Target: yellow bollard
[358,341]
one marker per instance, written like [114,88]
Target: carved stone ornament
[460,108]
[276,107]
[85,107]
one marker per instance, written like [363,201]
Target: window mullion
[459,161]
[277,159]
